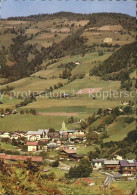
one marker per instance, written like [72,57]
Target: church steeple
[63,127]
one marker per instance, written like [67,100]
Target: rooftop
[111,162]
[69,151]
[98,160]
[128,163]
[39,132]
[21,158]
[32,143]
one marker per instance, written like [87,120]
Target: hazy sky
[28,7]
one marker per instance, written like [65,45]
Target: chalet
[51,146]
[124,103]
[15,136]
[14,112]
[128,167]
[59,143]
[98,163]
[76,138]
[63,134]
[37,135]
[66,153]
[67,131]
[117,157]
[79,133]
[77,63]
[5,135]
[32,146]
[76,157]
[6,157]
[65,95]
[108,111]
[71,147]
[111,165]
[2,116]
[42,145]
[54,135]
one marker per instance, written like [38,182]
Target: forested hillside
[119,65]
[34,40]
[97,20]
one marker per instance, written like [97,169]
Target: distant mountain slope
[27,56]
[96,19]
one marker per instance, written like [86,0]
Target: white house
[98,163]
[32,146]
[5,135]
[37,135]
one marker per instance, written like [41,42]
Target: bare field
[89,90]
[111,28]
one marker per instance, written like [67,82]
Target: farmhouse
[5,135]
[51,146]
[76,138]
[98,163]
[37,135]
[76,157]
[42,145]
[111,165]
[77,63]
[66,153]
[15,136]
[54,135]
[32,146]
[128,167]
[6,157]
[108,111]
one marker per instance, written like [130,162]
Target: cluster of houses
[61,141]
[64,141]
[123,167]
[46,140]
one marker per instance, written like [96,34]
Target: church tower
[63,127]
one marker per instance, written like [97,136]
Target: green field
[7,146]
[127,186]
[91,82]
[31,122]
[8,102]
[32,84]
[118,130]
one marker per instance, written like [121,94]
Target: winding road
[108,179]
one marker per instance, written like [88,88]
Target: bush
[8,151]
[129,120]
[109,119]
[55,163]
[82,170]
[128,110]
